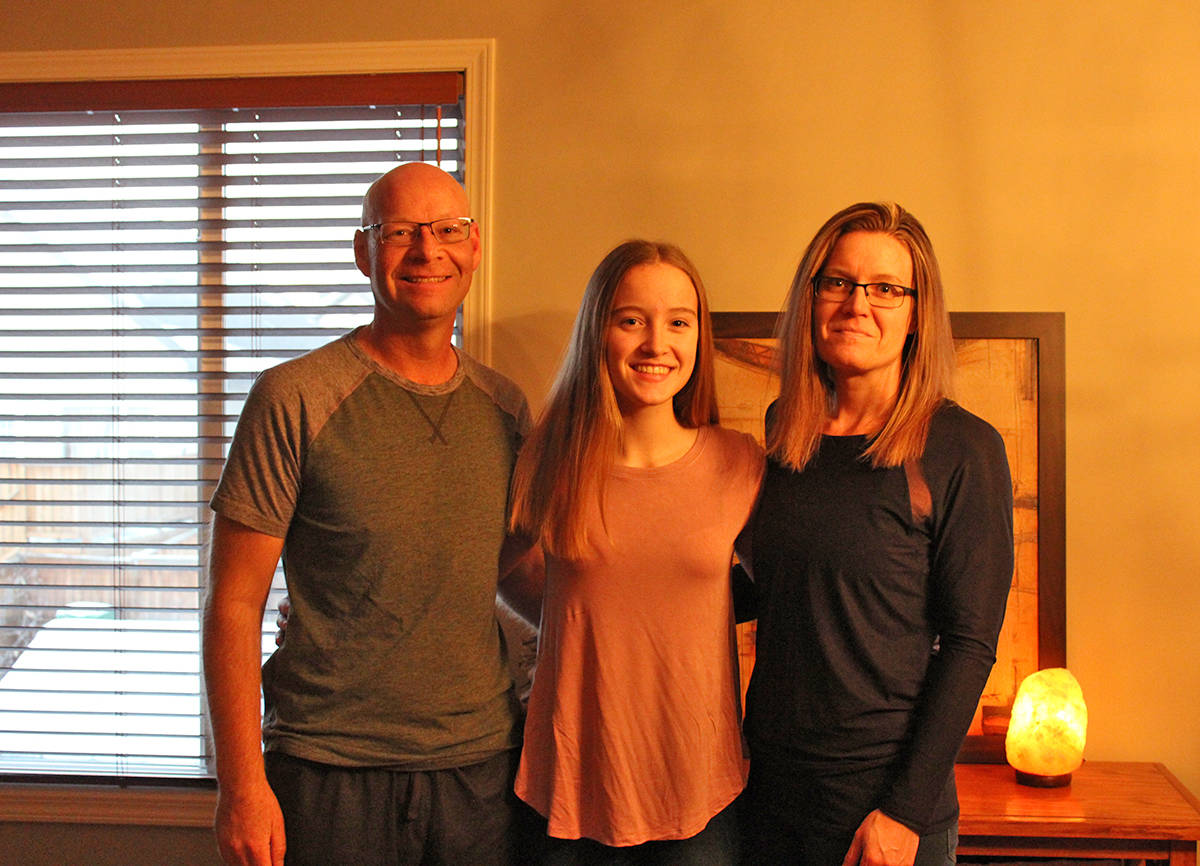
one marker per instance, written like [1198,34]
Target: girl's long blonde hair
[574,443]
[807,396]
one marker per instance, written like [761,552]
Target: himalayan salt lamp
[1045,738]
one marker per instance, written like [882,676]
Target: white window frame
[475,59]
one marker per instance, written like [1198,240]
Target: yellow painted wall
[1051,148]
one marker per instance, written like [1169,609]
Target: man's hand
[882,841]
[249,827]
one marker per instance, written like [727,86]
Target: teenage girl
[632,747]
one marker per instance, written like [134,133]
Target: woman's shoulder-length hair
[807,394]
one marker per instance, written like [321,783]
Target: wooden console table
[1111,809]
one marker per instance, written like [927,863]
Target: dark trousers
[374,817]
[715,845]
[773,833]
[777,846]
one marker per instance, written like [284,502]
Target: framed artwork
[1011,373]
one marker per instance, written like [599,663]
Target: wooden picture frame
[1012,374]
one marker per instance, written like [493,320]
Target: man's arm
[523,578]
[249,824]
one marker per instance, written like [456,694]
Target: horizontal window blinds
[155,255]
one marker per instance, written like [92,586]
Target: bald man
[378,467]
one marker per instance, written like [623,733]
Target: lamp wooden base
[1035,780]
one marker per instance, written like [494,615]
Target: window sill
[100,804]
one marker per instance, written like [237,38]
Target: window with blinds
[160,244]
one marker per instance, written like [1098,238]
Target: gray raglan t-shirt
[391,498]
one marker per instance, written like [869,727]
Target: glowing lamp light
[1045,738]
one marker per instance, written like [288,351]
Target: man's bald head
[412,181]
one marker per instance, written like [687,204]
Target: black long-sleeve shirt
[877,626]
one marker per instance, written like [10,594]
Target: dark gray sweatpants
[377,817]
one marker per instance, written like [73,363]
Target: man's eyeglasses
[402,234]
[878,294]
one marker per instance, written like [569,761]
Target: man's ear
[477,253]
[362,255]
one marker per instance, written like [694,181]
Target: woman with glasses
[632,748]
[882,558]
